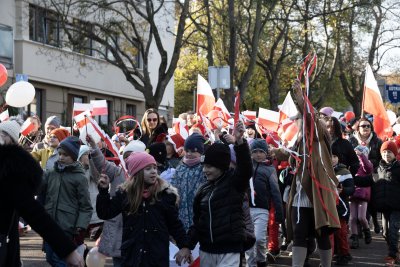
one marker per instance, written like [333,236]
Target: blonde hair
[134,188]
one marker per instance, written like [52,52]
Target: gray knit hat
[53,120]
[12,128]
[260,145]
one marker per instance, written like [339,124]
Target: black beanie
[195,143]
[71,146]
[159,152]
[218,155]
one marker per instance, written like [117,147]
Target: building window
[79,39]
[70,106]
[6,46]
[44,26]
[36,106]
[131,110]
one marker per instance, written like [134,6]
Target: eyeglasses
[150,119]
[365,126]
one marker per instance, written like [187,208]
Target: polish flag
[373,104]
[288,108]
[27,127]
[4,115]
[250,115]
[268,119]
[181,128]
[82,119]
[205,96]
[99,107]
[81,107]
[220,106]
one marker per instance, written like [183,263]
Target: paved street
[366,255]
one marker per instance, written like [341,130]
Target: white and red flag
[205,96]
[220,106]
[27,127]
[99,107]
[250,115]
[4,115]
[81,107]
[373,104]
[268,119]
[288,108]
[82,119]
[181,128]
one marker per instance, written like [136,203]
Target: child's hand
[230,139]
[104,181]
[90,141]
[238,132]
[358,152]
[184,255]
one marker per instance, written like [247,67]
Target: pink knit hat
[138,161]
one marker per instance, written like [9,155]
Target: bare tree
[125,30]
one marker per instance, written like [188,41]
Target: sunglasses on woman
[154,120]
[365,126]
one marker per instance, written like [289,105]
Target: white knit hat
[134,146]
[12,128]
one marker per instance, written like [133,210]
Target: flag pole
[363,100]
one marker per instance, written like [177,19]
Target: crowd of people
[230,195]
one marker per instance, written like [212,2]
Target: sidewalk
[365,256]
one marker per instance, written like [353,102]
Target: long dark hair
[337,128]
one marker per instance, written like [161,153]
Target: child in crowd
[189,177]
[111,236]
[264,191]
[385,197]
[150,215]
[49,155]
[92,176]
[360,198]
[218,220]
[345,189]
[67,196]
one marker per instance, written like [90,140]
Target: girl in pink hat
[150,215]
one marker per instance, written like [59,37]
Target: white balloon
[396,128]
[392,116]
[95,259]
[20,94]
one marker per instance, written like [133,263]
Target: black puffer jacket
[20,177]
[347,156]
[385,193]
[145,236]
[218,221]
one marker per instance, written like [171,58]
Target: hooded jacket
[145,237]
[346,183]
[17,189]
[67,197]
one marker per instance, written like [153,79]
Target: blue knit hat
[71,145]
[259,144]
[195,142]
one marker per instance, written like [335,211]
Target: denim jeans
[392,238]
[258,252]
[52,258]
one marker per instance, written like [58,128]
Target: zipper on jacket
[209,211]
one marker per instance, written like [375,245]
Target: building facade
[29,45]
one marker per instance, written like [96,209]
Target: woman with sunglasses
[365,136]
[150,125]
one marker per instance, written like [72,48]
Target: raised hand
[104,181]
[238,132]
[90,141]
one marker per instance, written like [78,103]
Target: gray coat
[111,237]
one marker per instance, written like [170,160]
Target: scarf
[147,190]
[191,162]
[363,143]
